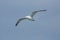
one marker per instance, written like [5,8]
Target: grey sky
[46,26]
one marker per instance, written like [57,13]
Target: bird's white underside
[29,17]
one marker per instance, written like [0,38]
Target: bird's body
[29,17]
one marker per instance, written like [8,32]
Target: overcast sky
[46,26]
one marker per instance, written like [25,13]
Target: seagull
[29,17]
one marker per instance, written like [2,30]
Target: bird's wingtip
[15,24]
[43,10]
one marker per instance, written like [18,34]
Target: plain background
[46,26]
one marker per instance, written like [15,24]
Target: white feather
[29,17]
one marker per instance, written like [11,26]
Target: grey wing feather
[19,21]
[33,13]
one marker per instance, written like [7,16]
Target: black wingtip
[15,24]
[43,10]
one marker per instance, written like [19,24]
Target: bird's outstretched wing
[20,21]
[33,13]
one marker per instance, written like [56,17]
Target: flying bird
[29,17]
